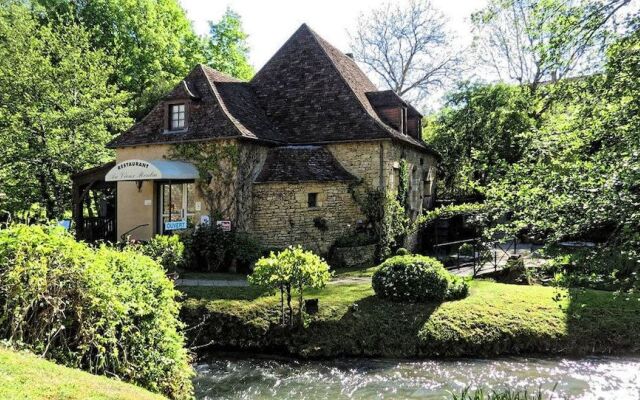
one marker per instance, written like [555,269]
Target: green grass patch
[355,272]
[495,319]
[219,276]
[25,376]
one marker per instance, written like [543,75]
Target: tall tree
[152,42]
[481,132]
[407,48]
[226,47]
[57,108]
[532,41]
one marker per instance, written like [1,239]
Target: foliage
[416,278]
[494,319]
[403,184]
[480,133]
[407,48]
[167,250]
[385,215]
[476,210]
[152,43]
[355,240]
[209,248]
[402,252]
[26,376]
[226,48]
[579,177]
[58,109]
[292,268]
[106,311]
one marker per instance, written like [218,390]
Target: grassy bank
[495,319]
[25,376]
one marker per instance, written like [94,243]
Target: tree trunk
[300,306]
[282,304]
[289,304]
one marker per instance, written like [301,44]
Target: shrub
[355,240]
[402,252]
[106,311]
[167,250]
[294,268]
[416,278]
[457,288]
[208,248]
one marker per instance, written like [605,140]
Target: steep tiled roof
[309,92]
[302,164]
[220,107]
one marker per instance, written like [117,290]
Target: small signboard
[175,225]
[224,225]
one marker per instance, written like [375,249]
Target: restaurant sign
[133,170]
[175,225]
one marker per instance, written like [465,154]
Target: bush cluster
[417,278]
[107,311]
[208,248]
[167,250]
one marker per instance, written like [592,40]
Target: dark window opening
[177,117]
[312,200]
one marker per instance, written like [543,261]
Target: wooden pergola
[94,204]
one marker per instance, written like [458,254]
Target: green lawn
[25,376]
[494,319]
[221,276]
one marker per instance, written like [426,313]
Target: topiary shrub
[416,278]
[103,310]
[402,252]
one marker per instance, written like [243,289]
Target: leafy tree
[481,132]
[291,268]
[152,42]
[226,49]
[57,108]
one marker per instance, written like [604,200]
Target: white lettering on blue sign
[175,225]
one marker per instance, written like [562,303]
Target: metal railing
[477,255]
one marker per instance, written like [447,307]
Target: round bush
[106,311]
[402,252]
[412,278]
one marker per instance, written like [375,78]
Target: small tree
[292,267]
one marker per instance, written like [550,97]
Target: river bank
[494,320]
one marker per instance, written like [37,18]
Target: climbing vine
[385,216]
[403,184]
[224,181]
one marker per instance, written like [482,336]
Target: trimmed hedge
[106,311]
[417,278]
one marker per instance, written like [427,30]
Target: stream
[259,378]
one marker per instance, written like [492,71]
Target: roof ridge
[375,118]
[223,106]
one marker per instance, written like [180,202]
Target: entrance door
[177,204]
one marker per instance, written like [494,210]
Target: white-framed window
[177,117]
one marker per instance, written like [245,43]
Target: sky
[270,23]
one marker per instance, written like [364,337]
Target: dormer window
[403,120]
[177,117]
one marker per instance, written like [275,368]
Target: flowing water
[255,378]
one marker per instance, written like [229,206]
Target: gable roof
[220,107]
[309,92]
[302,164]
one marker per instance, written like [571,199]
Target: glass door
[177,206]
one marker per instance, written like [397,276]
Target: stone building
[276,157]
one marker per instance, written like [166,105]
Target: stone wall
[282,216]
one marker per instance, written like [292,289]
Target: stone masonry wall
[282,216]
